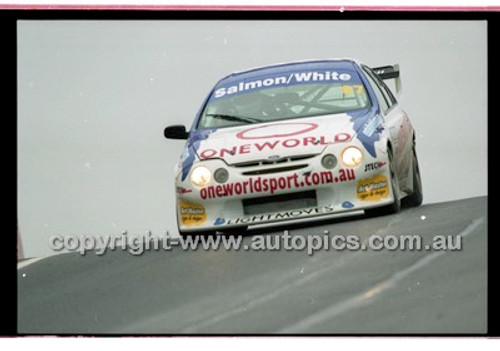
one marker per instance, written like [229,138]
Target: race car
[294,141]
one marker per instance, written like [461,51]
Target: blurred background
[95,96]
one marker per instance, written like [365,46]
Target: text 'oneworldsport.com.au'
[137,245]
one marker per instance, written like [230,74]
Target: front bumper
[303,188]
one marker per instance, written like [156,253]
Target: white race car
[292,141]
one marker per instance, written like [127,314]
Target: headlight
[200,176]
[329,161]
[352,156]
[221,175]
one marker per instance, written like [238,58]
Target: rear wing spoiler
[390,72]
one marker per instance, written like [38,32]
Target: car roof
[338,64]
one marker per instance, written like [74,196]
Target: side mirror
[176,132]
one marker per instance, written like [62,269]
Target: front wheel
[416,197]
[395,206]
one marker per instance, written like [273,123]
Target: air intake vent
[285,202]
[274,170]
[284,160]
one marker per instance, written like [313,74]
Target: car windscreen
[238,105]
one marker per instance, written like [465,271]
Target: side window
[384,103]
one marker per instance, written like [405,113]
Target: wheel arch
[389,146]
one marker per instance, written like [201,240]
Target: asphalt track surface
[268,292]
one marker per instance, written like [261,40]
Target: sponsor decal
[191,213]
[350,89]
[219,221]
[372,125]
[368,124]
[181,190]
[369,129]
[264,146]
[282,215]
[347,204]
[373,166]
[361,123]
[373,189]
[345,175]
[284,79]
[270,130]
[271,185]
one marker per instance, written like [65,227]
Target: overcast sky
[94,97]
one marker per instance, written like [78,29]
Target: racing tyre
[415,198]
[396,205]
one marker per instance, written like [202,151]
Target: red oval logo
[271,130]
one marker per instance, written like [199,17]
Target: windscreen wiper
[234,118]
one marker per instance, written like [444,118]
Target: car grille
[285,164]
[272,162]
[284,202]
[274,170]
